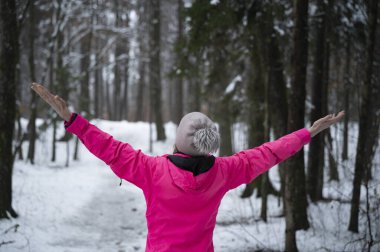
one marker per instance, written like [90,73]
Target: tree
[316,151]
[369,119]
[155,70]
[295,192]
[9,51]
[124,111]
[256,102]
[56,41]
[85,47]
[262,73]
[346,100]
[278,106]
[33,101]
[116,97]
[178,85]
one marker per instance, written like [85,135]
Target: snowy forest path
[113,220]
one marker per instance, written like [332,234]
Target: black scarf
[197,165]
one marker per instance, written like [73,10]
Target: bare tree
[155,70]
[369,119]
[347,85]
[9,51]
[316,152]
[33,101]
[295,192]
[178,84]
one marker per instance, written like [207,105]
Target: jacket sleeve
[246,165]
[127,163]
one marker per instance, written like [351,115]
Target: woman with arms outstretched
[183,190]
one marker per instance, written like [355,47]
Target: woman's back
[182,208]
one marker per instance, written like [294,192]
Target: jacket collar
[195,164]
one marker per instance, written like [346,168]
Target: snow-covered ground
[83,208]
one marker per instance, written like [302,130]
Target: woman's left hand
[325,122]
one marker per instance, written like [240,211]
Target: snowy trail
[113,220]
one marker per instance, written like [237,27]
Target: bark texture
[9,51]
[295,191]
[369,119]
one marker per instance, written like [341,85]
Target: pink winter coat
[182,208]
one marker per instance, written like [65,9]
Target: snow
[83,208]
[231,87]
[279,30]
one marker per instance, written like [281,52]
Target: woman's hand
[56,102]
[325,122]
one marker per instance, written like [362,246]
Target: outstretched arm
[246,165]
[127,163]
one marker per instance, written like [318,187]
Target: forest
[259,69]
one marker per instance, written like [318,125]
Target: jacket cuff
[69,122]
[77,125]
[304,135]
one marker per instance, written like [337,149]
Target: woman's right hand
[325,122]
[56,102]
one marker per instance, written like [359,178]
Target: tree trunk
[54,143]
[32,134]
[218,81]
[225,128]
[265,176]
[295,192]
[333,167]
[369,120]
[55,68]
[84,101]
[178,85]
[97,94]
[347,85]
[139,114]
[20,138]
[76,149]
[116,97]
[9,51]
[107,100]
[256,98]
[155,70]
[97,88]
[277,87]
[316,149]
[124,112]
[33,101]
[116,86]
[141,108]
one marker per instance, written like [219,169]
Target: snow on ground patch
[45,198]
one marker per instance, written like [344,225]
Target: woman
[183,191]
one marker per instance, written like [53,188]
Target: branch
[6,242]
[23,15]
[16,226]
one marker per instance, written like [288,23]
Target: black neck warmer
[197,165]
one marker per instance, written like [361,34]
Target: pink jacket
[182,208]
